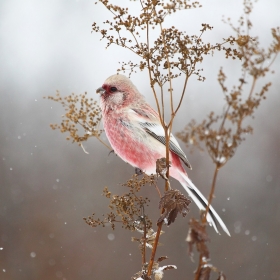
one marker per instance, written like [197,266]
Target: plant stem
[98,138]
[144,243]
[252,88]
[211,192]
[197,273]
[150,76]
[150,267]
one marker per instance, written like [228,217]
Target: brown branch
[162,100]
[211,192]
[197,273]
[169,72]
[152,259]
[98,138]
[272,61]
[252,88]
[150,76]
[144,242]
[166,131]
[183,94]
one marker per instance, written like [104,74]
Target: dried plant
[81,112]
[221,134]
[127,209]
[172,203]
[168,56]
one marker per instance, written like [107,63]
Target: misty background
[49,184]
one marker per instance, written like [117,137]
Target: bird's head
[118,91]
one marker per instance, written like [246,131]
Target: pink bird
[135,133]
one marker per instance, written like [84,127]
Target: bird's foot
[138,171]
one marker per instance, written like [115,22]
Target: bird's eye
[113,89]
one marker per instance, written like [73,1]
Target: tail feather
[212,216]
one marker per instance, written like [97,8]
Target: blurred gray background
[48,184]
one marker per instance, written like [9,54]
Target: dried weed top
[81,112]
[221,133]
[127,209]
[171,42]
[170,54]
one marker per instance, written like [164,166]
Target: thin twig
[145,237]
[98,138]
[182,95]
[197,273]
[169,72]
[152,259]
[252,87]
[150,76]
[211,191]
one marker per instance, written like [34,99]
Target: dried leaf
[197,235]
[222,276]
[160,259]
[158,270]
[205,273]
[167,267]
[161,168]
[199,229]
[173,202]
[150,238]
[158,274]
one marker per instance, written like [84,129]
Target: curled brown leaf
[173,202]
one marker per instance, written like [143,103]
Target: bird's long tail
[212,216]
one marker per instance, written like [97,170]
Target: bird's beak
[100,90]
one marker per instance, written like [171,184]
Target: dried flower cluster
[81,112]
[129,208]
[222,133]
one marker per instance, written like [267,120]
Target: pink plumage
[135,133]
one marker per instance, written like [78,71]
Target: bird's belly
[138,149]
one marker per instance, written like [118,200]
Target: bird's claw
[138,171]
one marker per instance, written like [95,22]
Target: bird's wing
[148,120]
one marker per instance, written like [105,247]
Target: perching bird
[135,133]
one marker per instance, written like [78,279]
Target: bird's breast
[131,143]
